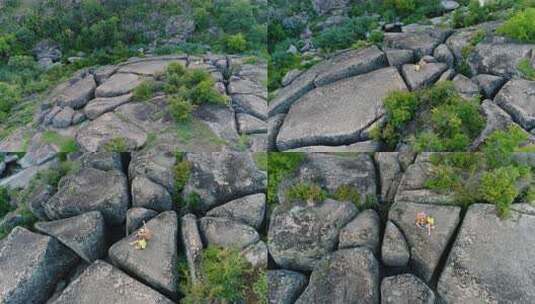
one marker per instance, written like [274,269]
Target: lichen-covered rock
[489,84]
[76,92]
[443,54]
[465,86]
[363,230]
[257,255]
[405,289]
[191,238]
[85,234]
[492,258]
[217,178]
[517,97]
[395,251]
[422,41]
[300,235]
[135,217]
[390,174]
[157,263]
[285,286]
[103,283]
[118,84]
[90,190]
[423,74]
[148,194]
[99,106]
[347,276]
[224,232]
[30,266]
[249,209]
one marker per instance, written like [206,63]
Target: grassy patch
[144,91]
[195,135]
[5,207]
[347,193]
[227,277]
[261,160]
[64,143]
[525,68]
[117,144]
[488,177]
[305,192]
[280,166]
[454,121]
[520,26]
[182,171]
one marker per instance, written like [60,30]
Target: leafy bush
[144,91]
[280,166]
[305,192]
[500,145]
[227,277]
[9,96]
[525,68]
[340,37]
[235,43]
[521,26]
[499,187]
[182,171]
[180,109]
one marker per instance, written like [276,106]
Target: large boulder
[156,163]
[347,276]
[118,84]
[193,246]
[492,258]
[496,119]
[517,97]
[405,289]
[394,251]
[94,135]
[251,104]
[499,58]
[422,41]
[489,84]
[299,236]
[152,67]
[76,92]
[426,247]
[362,231]
[30,266]
[157,263]
[422,74]
[105,161]
[248,209]
[353,104]
[221,177]
[390,174]
[135,217]
[148,194]
[285,286]
[90,190]
[103,283]
[85,234]
[99,106]
[356,171]
[224,232]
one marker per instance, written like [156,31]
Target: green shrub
[182,171]
[180,109]
[144,91]
[402,6]
[226,277]
[235,43]
[500,145]
[204,92]
[521,26]
[116,144]
[525,68]
[261,288]
[376,36]
[343,36]
[305,192]
[347,193]
[9,97]
[261,160]
[499,187]
[280,166]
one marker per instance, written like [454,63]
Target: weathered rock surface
[517,97]
[331,172]
[148,194]
[105,161]
[103,283]
[426,248]
[76,92]
[157,263]
[395,251]
[389,174]
[499,59]
[405,289]
[362,231]
[398,58]
[224,232]
[90,190]
[135,217]
[421,41]
[423,74]
[353,105]
[301,235]
[249,209]
[285,286]
[64,118]
[118,84]
[99,106]
[347,276]
[257,255]
[489,84]
[248,124]
[496,119]
[30,266]
[150,67]
[93,135]
[191,238]
[251,104]
[221,177]
[443,54]
[491,260]
[465,86]
[85,234]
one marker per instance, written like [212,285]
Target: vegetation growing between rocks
[280,166]
[226,277]
[455,122]
[5,207]
[117,144]
[144,91]
[492,176]
[525,68]
[64,143]
[305,192]
[520,26]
